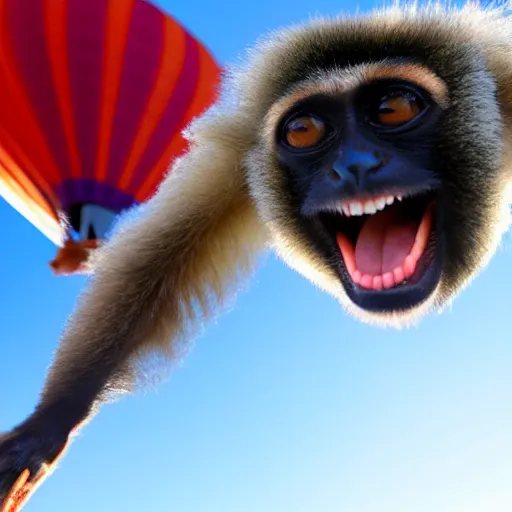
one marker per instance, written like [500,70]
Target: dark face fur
[368,174]
[448,158]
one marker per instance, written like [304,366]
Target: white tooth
[390,199]
[356,208]
[399,198]
[345,209]
[380,203]
[369,207]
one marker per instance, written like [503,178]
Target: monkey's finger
[17,493]
[23,488]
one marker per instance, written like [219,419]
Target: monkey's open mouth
[386,242]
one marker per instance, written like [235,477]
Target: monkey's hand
[28,455]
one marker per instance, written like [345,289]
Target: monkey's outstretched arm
[152,282]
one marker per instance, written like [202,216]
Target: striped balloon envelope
[94,95]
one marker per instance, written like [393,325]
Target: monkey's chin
[390,261]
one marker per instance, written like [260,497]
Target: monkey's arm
[153,282]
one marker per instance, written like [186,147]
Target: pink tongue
[385,240]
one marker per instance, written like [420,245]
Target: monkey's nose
[354,166]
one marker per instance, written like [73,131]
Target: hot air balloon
[94,95]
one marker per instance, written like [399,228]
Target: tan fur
[153,280]
[413,73]
[226,200]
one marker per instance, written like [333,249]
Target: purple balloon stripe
[86,34]
[93,192]
[35,70]
[171,121]
[141,61]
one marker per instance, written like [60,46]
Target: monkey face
[388,174]
[363,173]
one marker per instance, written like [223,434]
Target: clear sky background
[286,404]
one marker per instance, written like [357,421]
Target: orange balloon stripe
[207,87]
[7,177]
[16,104]
[205,94]
[119,15]
[42,217]
[13,171]
[12,152]
[171,65]
[34,202]
[55,31]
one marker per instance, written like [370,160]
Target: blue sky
[285,403]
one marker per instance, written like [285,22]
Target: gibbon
[372,153]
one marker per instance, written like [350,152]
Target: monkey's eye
[396,109]
[305,131]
